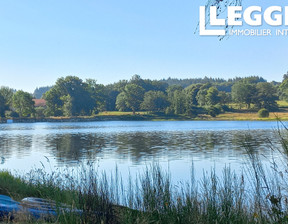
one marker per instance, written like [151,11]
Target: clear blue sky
[109,40]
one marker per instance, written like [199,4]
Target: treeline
[189,81]
[71,96]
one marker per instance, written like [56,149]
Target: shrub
[169,111]
[213,111]
[263,113]
[39,112]
[11,114]
[225,108]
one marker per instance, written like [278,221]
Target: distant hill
[189,81]
[38,92]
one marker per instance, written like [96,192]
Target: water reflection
[17,145]
[74,147]
[137,142]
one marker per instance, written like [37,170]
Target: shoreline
[221,117]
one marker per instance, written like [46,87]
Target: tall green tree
[134,96]
[266,96]
[82,96]
[177,99]
[7,94]
[212,96]
[81,99]
[202,94]
[201,97]
[190,99]
[2,106]
[225,97]
[67,105]
[154,101]
[178,102]
[121,102]
[110,100]
[97,93]
[283,89]
[171,89]
[111,93]
[243,93]
[54,102]
[23,104]
[191,93]
[130,98]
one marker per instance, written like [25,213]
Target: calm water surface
[133,145]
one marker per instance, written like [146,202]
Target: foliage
[212,96]
[154,101]
[39,112]
[121,102]
[2,106]
[97,93]
[243,93]
[178,102]
[7,93]
[219,83]
[283,89]
[266,96]
[148,84]
[54,103]
[202,94]
[11,114]
[81,100]
[132,97]
[111,97]
[23,104]
[190,100]
[187,82]
[67,105]
[177,99]
[191,93]
[224,97]
[213,111]
[263,113]
[71,96]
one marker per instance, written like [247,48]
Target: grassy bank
[228,116]
[236,115]
[144,116]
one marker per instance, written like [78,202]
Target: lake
[133,145]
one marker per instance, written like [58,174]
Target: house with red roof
[39,103]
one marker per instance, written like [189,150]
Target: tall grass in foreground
[259,195]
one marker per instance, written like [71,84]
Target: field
[240,115]
[237,115]
[119,113]
[251,116]
[228,116]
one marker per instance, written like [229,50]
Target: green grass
[233,116]
[252,116]
[119,113]
[282,103]
[237,115]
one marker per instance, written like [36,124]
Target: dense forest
[72,96]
